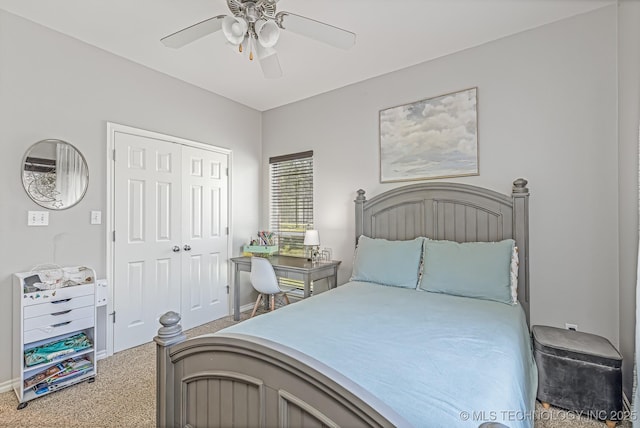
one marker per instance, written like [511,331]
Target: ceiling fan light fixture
[254,25]
[267,32]
[234,29]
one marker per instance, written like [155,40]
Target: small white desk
[286,267]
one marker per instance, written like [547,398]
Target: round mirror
[55,174]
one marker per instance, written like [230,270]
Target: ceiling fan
[254,25]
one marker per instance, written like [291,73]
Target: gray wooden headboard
[451,211]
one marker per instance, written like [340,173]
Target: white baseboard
[100,355]
[247,307]
[6,386]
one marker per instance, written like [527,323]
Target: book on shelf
[59,372]
[53,384]
[43,375]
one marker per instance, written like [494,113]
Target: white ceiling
[391,35]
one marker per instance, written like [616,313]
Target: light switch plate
[96,217]
[38,218]
[101,292]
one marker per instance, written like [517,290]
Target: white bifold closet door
[170,250]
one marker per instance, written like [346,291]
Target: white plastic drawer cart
[54,317]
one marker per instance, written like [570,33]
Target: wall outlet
[573,327]
[38,218]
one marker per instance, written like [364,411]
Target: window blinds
[291,200]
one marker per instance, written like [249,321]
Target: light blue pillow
[472,269]
[395,263]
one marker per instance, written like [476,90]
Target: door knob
[187,248]
[175,249]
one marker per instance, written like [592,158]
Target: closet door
[204,236]
[147,205]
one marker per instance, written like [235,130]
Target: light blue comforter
[437,360]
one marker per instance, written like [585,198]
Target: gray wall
[547,112]
[629,116]
[53,86]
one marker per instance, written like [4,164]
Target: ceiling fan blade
[316,30]
[193,33]
[269,62]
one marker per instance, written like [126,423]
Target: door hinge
[114,316]
[226,171]
[227,289]
[113,238]
[226,230]
[114,155]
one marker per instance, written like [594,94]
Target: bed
[370,354]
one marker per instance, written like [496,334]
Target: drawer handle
[60,324]
[55,314]
[60,301]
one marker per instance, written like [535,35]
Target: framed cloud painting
[432,138]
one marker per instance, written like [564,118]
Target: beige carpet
[123,395]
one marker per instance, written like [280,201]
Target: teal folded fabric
[394,263]
[472,269]
[56,349]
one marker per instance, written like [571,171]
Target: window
[291,200]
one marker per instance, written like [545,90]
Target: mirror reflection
[55,174]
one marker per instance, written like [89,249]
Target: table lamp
[312,239]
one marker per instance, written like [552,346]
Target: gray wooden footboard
[232,380]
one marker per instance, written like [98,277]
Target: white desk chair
[264,280]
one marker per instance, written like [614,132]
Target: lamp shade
[311,237]
[234,29]
[267,32]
